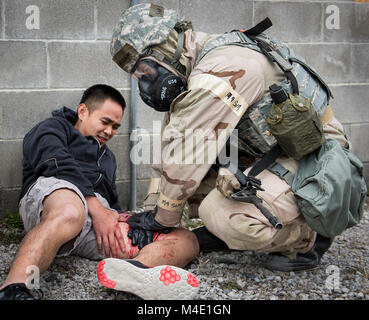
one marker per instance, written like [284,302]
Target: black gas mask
[158,86]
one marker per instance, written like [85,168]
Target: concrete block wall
[44,68]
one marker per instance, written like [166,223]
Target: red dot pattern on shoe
[103,278]
[192,280]
[168,276]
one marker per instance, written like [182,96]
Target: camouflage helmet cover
[140,27]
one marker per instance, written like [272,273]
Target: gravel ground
[342,275]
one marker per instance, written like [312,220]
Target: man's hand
[142,228]
[227,183]
[105,223]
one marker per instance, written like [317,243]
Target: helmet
[140,27]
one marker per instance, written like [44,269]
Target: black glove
[142,227]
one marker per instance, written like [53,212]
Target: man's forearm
[94,206]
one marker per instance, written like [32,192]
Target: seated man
[69,202]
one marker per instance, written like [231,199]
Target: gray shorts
[31,207]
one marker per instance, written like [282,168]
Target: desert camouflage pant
[243,227]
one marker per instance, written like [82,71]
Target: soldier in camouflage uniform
[221,87]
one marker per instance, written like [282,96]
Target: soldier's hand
[142,227]
[227,183]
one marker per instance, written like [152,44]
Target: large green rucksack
[330,189]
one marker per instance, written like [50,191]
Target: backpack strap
[282,172]
[267,160]
[259,28]
[271,54]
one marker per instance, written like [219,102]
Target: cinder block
[332,61]
[119,145]
[360,141]
[1,21]
[67,19]
[147,117]
[108,13]
[9,199]
[83,64]
[29,108]
[144,155]
[350,103]
[142,187]
[11,163]
[359,62]
[217,16]
[124,192]
[353,23]
[22,64]
[144,171]
[292,21]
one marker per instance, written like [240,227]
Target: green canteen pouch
[296,126]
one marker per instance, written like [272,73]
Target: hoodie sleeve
[45,148]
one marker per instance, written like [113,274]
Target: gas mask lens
[145,68]
[158,86]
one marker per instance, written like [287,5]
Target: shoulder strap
[282,172]
[271,54]
[259,28]
[267,160]
[274,56]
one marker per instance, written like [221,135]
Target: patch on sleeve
[222,90]
[170,204]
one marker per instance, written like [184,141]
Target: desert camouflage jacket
[220,89]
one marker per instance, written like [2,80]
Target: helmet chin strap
[180,42]
[177,55]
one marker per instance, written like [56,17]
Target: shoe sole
[157,283]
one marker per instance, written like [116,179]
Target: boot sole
[158,283]
[292,270]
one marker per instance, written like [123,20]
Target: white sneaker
[157,283]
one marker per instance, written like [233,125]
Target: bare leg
[176,248]
[61,220]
